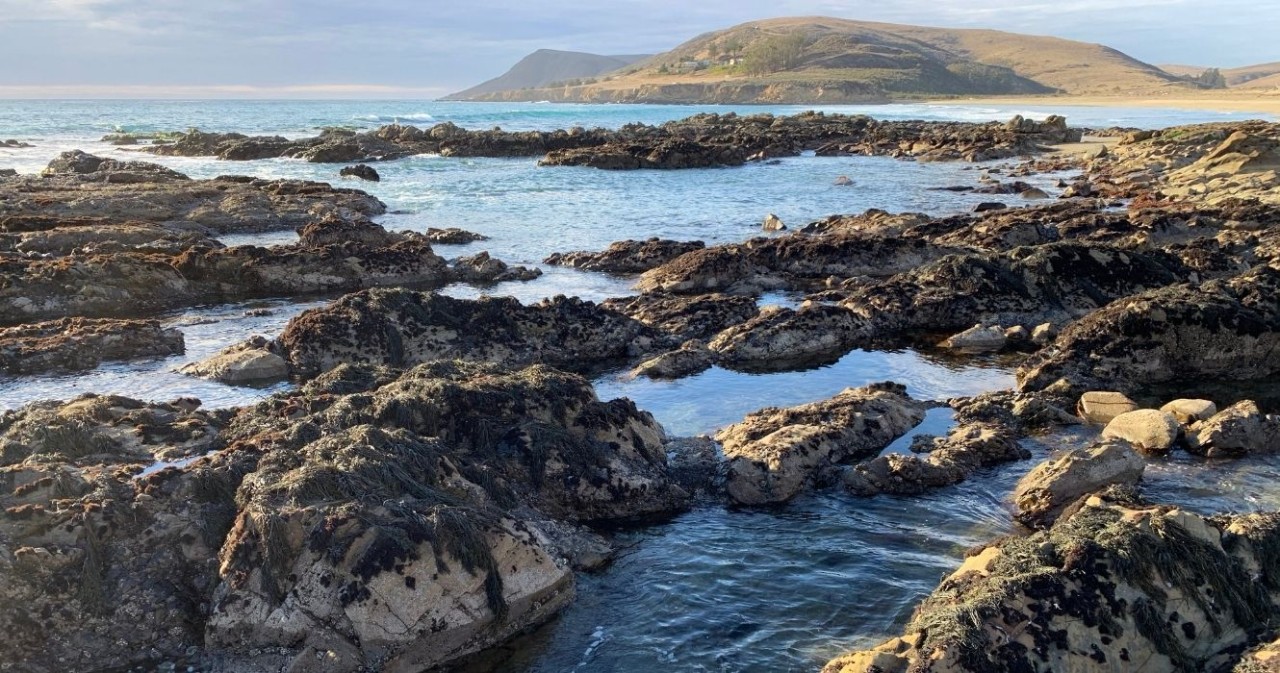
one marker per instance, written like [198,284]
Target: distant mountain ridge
[549,66]
[1261,75]
[828,60]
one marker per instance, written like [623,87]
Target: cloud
[409,43]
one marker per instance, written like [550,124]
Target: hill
[1261,75]
[817,59]
[549,66]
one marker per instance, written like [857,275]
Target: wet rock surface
[700,141]
[626,256]
[74,344]
[78,185]
[374,519]
[1111,585]
[773,454]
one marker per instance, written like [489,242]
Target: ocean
[715,589]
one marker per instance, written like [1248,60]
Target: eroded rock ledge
[372,520]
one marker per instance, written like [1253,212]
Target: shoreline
[1262,104]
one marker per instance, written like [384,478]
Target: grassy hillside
[549,66]
[815,59]
[1261,75]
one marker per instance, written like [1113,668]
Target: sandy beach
[1218,100]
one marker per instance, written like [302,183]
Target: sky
[428,48]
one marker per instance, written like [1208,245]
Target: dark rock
[362,172]
[82,343]
[626,256]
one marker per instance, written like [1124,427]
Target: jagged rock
[787,261]
[1102,407]
[401,328]
[1150,431]
[1238,430]
[333,230]
[781,337]
[1043,334]
[361,171]
[773,223]
[56,237]
[691,358]
[1043,493]
[1264,658]
[432,512]
[83,343]
[966,449]
[481,268]
[1225,330]
[626,256]
[1190,411]
[452,236]
[775,453]
[139,192]
[686,317]
[1109,587]
[241,364]
[978,339]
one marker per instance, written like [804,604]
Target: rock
[1043,334]
[362,172]
[965,450]
[1034,194]
[780,338]
[481,268]
[1264,658]
[1051,486]
[773,223]
[452,236]
[988,206]
[691,358]
[626,256]
[115,192]
[773,454]
[1222,330]
[1238,430]
[1190,411]
[978,339]
[1106,588]
[398,327]
[251,362]
[8,173]
[432,512]
[686,317]
[1102,407]
[73,344]
[333,230]
[843,181]
[1151,432]
[1016,335]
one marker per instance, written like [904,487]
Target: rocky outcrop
[40,237]
[402,327]
[700,141]
[788,262]
[1047,490]
[156,194]
[626,256]
[774,454]
[950,460]
[683,316]
[452,236]
[1109,587]
[81,343]
[1223,330]
[362,172]
[333,255]
[780,338]
[372,520]
[1239,430]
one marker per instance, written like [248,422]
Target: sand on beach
[1266,103]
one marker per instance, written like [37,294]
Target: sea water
[716,589]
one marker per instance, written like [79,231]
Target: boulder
[978,339]
[773,223]
[1238,430]
[989,206]
[1189,412]
[691,358]
[773,454]
[251,362]
[1051,486]
[1148,430]
[1102,407]
[950,460]
[1043,334]
[843,181]
[1109,587]
[626,256]
[361,171]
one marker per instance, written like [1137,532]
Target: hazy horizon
[399,49]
